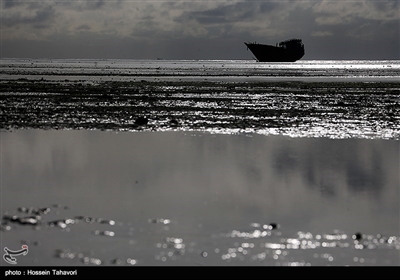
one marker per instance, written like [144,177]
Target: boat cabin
[292,43]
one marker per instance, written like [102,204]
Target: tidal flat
[293,108]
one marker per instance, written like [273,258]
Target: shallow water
[126,70]
[189,198]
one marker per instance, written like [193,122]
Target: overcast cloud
[358,29]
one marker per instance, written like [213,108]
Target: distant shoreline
[199,70]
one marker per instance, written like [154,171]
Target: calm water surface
[182,198]
[228,70]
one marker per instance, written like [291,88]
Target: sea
[118,162]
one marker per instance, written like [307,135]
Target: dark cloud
[233,13]
[198,30]
[268,7]
[10,3]
[92,45]
[386,6]
[91,5]
[39,18]
[364,40]
[88,5]
[84,27]
[94,5]
[205,17]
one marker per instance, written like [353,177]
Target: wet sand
[297,109]
[85,197]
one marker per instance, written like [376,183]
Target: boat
[285,51]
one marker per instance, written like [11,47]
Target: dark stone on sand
[357,236]
[10,218]
[174,123]
[141,121]
[273,225]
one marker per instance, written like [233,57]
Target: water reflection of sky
[206,184]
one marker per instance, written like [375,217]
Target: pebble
[141,121]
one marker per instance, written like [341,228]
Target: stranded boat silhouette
[286,51]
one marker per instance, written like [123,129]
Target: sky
[147,29]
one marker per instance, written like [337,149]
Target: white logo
[9,255]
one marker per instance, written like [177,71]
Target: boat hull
[267,53]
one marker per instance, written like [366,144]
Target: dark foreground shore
[294,108]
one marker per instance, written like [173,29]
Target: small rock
[174,123]
[141,121]
[357,236]
[273,225]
